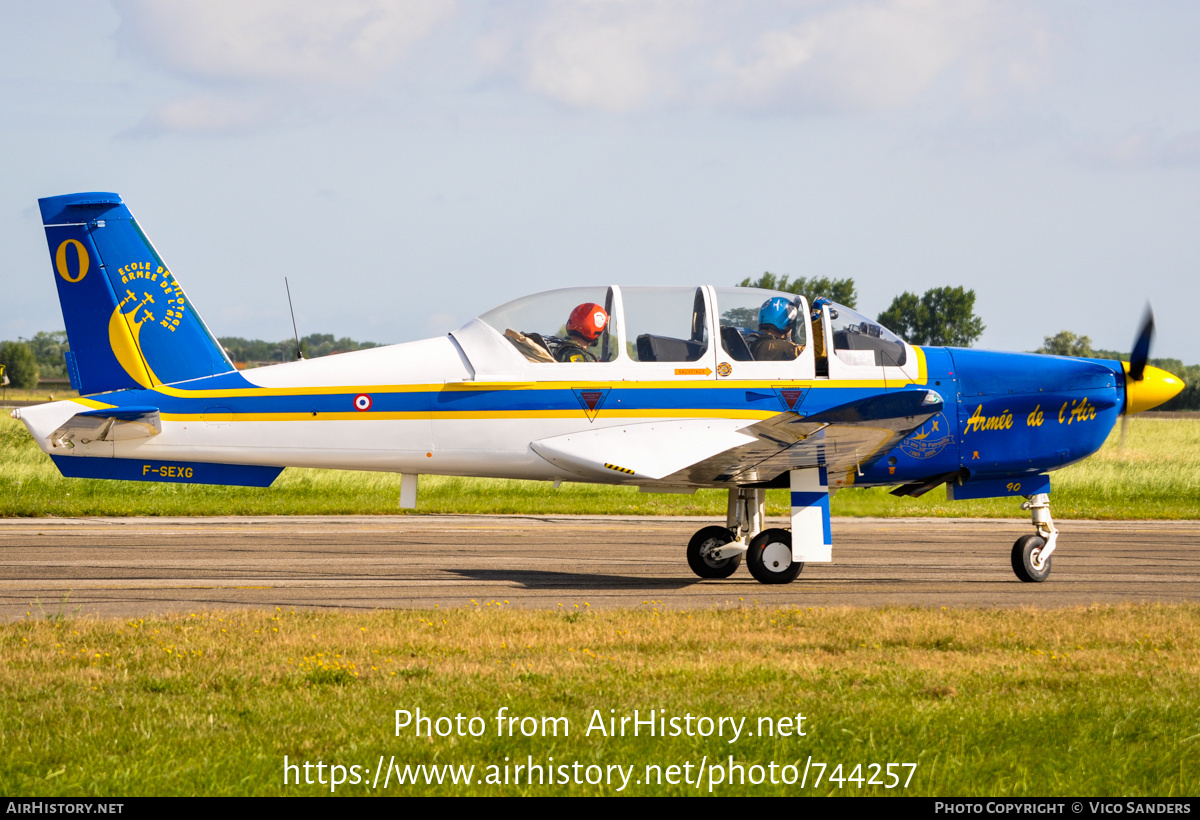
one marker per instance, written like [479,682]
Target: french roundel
[362,402]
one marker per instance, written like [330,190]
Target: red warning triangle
[590,399]
[791,397]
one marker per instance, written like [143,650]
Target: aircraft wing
[693,452]
[841,439]
[111,424]
[651,450]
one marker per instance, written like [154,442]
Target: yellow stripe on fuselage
[472,387]
[416,415]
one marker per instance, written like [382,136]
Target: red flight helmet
[588,320]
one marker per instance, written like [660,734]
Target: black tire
[1024,553]
[770,558]
[705,540]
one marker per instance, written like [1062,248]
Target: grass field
[1079,702]
[1157,475]
[1092,701]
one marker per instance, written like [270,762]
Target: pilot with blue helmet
[818,329]
[776,320]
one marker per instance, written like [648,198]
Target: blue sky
[408,165]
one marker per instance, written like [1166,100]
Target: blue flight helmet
[819,303]
[779,313]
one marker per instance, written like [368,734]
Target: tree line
[25,361]
[941,317]
[256,352]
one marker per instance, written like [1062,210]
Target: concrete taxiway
[143,566]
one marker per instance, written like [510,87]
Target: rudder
[128,320]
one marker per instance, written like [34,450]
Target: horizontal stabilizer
[172,472]
[113,424]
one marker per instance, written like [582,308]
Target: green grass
[13,394]
[1157,475]
[1096,701]
[1087,701]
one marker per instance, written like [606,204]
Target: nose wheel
[1028,561]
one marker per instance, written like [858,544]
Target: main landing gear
[1031,553]
[716,552]
[707,554]
[770,558]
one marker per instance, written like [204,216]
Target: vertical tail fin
[128,320]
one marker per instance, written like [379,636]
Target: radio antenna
[299,352]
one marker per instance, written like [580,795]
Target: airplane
[663,391]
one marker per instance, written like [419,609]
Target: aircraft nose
[1154,388]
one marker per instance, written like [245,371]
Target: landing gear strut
[1031,553]
[716,552]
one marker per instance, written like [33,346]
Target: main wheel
[704,542]
[1025,555]
[770,557]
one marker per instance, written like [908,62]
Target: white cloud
[248,58]
[206,114]
[618,55]
[1147,147]
[612,55]
[347,42]
[869,56]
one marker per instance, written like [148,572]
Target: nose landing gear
[1031,553]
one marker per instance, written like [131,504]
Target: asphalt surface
[142,566]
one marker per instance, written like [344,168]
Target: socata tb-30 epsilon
[665,388]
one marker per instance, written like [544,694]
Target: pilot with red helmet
[584,326]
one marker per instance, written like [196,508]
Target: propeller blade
[1141,347]
[1124,430]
